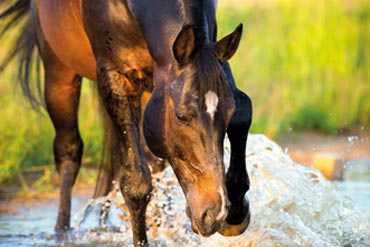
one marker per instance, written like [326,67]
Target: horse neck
[162,20]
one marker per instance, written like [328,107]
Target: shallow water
[291,205]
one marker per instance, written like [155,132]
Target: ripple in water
[291,205]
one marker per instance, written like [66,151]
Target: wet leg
[62,93]
[237,180]
[122,102]
[107,172]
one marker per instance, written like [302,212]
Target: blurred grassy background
[305,64]
[26,137]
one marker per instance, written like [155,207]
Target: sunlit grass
[302,59]
[27,136]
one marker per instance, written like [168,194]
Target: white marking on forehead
[211,100]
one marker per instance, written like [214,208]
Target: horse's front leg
[237,180]
[122,102]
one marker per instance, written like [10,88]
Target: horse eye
[182,118]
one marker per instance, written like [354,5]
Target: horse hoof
[238,219]
[230,230]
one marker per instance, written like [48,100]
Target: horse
[167,91]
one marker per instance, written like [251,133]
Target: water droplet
[290,204]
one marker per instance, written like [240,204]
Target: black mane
[201,14]
[194,12]
[210,75]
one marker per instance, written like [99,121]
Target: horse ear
[184,46]
[226,47]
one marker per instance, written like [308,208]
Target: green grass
[305,64]
[27,136]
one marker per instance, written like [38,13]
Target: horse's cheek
[154,126]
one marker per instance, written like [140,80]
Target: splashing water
[291,205]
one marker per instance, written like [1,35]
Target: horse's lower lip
[206,233]
[200,229]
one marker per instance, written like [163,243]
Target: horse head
[186,120]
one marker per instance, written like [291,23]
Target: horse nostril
[208,217]
[205,217]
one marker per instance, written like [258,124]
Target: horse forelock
[203,84]
[207,71]
[209,75]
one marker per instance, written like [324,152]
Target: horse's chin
[201,230]
[205,232]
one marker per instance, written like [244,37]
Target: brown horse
[135,49]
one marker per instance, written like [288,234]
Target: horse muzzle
[209,221]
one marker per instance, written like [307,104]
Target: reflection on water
[291,205]
[357,184]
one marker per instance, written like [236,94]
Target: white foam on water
[291,205]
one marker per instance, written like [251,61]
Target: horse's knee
[237,181]
[68,153]
[68,147]
[136,187]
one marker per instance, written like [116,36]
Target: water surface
[291,205]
